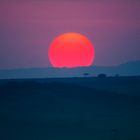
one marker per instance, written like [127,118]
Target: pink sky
[28,27]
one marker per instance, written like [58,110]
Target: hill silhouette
[126,69]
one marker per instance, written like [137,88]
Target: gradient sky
[27,28]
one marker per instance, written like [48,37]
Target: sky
[27,28]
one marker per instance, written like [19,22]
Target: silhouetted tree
[102,75]
[86,74]
[117,75]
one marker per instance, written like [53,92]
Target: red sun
[71,50]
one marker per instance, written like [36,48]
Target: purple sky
[27,27]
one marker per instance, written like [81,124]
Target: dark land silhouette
[98,108]
[125,69]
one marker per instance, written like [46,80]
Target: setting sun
[71,50]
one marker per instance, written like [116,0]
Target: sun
[71,50]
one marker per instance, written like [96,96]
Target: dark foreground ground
[70,109]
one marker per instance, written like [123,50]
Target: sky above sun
[27,28]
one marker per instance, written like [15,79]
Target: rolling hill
[127,69]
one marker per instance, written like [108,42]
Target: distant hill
[126,69]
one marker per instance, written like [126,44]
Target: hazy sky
[27,28]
